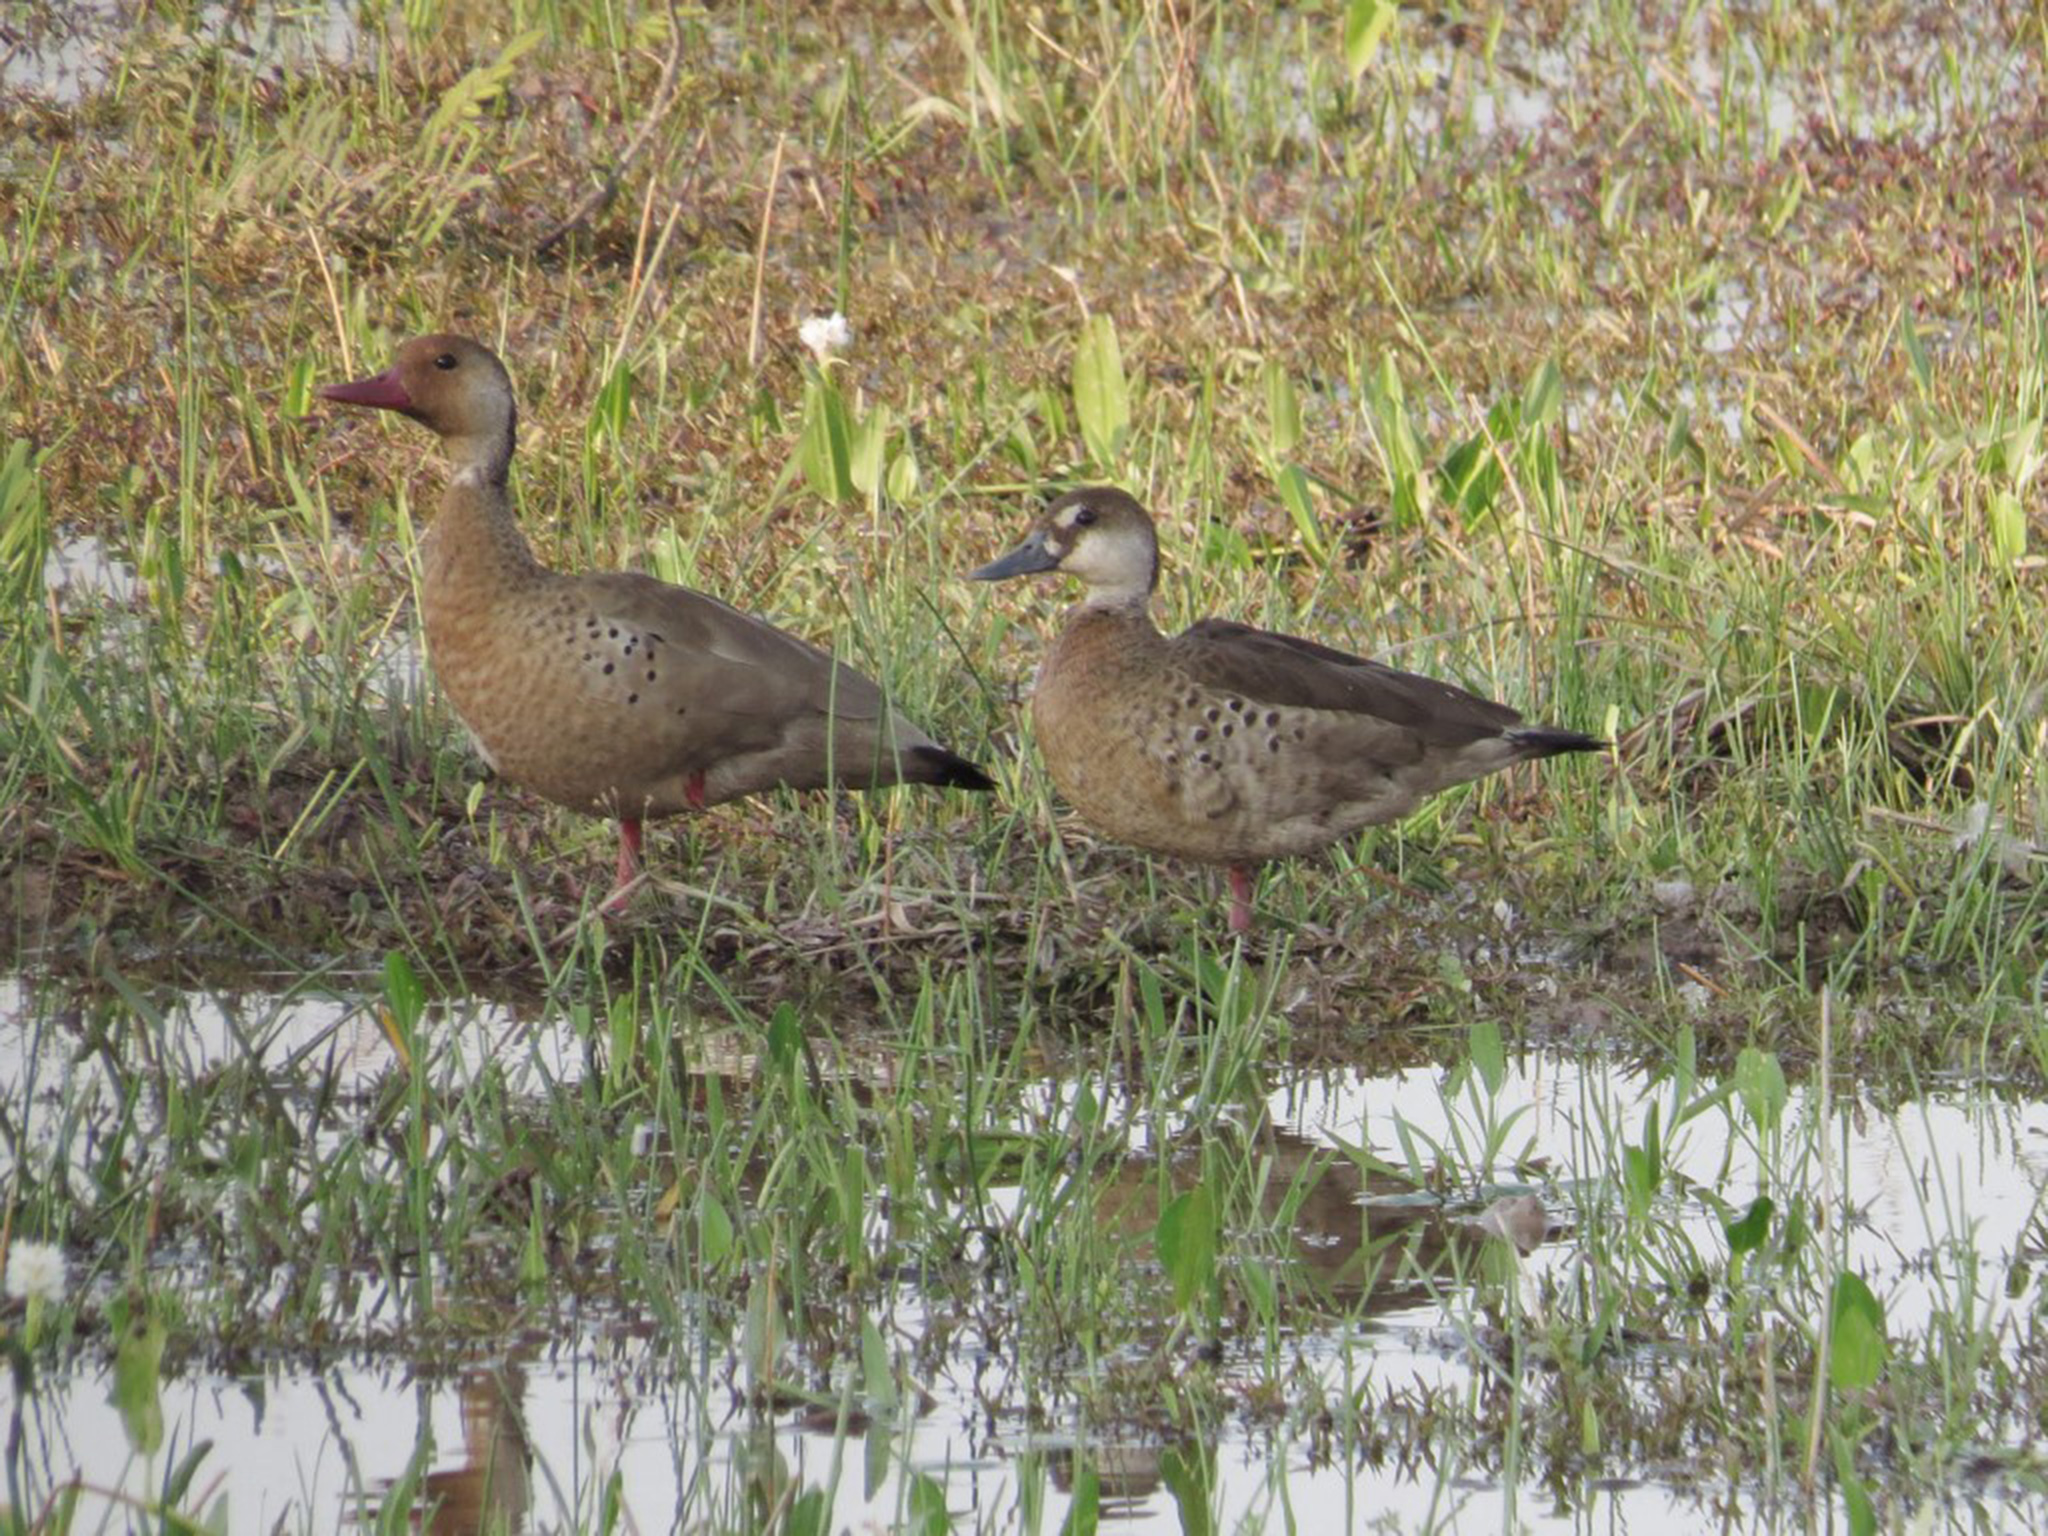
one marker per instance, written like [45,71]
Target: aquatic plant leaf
[824,449]
[1856,1343]
[1489,1055]
[179,1483]
[24,527]
[808,1515]
[136,1395]
[1186,1235]
[1543,396]
[1761,1082]
[714,1229]
[1856,1505]
[877,1375]
[1283,412]
[1101,393]
[870,440]
[928,1513]
[1747,1232]
[1190,1476]
[2008,519]
[785,1038]
[1255,1279]
[1292,485]
[1086,1509]
[904,477]
[1365,26]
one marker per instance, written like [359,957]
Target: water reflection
[491,1488]
[1378,1273]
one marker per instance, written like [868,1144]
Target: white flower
[35,1272]
[825,334]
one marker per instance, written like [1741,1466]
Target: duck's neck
[483,458]
[1128,620]
[475,547]
[1126,602]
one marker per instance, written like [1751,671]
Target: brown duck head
[454,387]
[1099,534]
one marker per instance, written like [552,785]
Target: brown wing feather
[733,663]
[1287,672]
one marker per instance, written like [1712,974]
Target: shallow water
[1942,1189]
[535,1445]
[66,51]
[80,572]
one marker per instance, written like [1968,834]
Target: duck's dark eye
[445,361]
[1083,516]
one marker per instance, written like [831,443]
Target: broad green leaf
[785,1037]
[870,438]
[1101,394]
[298,388]
[1021,447]
[2008,527]
[714,1229]
[1684,1069]
[1489,1055]
[1085,1510]
[878,1379]
[1856,1343]
[402,990]
[179,1484]
[903,476]
[825,447]
[1543,396]
[1639,1179]
[1186,1235]
[1471,477]
[1793,1236]
[1292,484]
[928,1513]
[2020,454]
[1862,1515]
[761,1333]
[1283,412]
[136,1394]
[808,1516]
[612,410]
[1386,409]
[1365,27]
[853,1204]
[1748,1231]
[24,525]
[1256,1281]
[1190,1476]
[1761,1082]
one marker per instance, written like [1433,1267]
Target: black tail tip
[1542,741]
[949,770]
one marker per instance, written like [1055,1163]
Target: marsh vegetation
[1649,1136]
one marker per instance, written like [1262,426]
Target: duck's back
[1230,744]
[618,694]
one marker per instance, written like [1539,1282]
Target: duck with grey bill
[1227,744]
[607,691]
